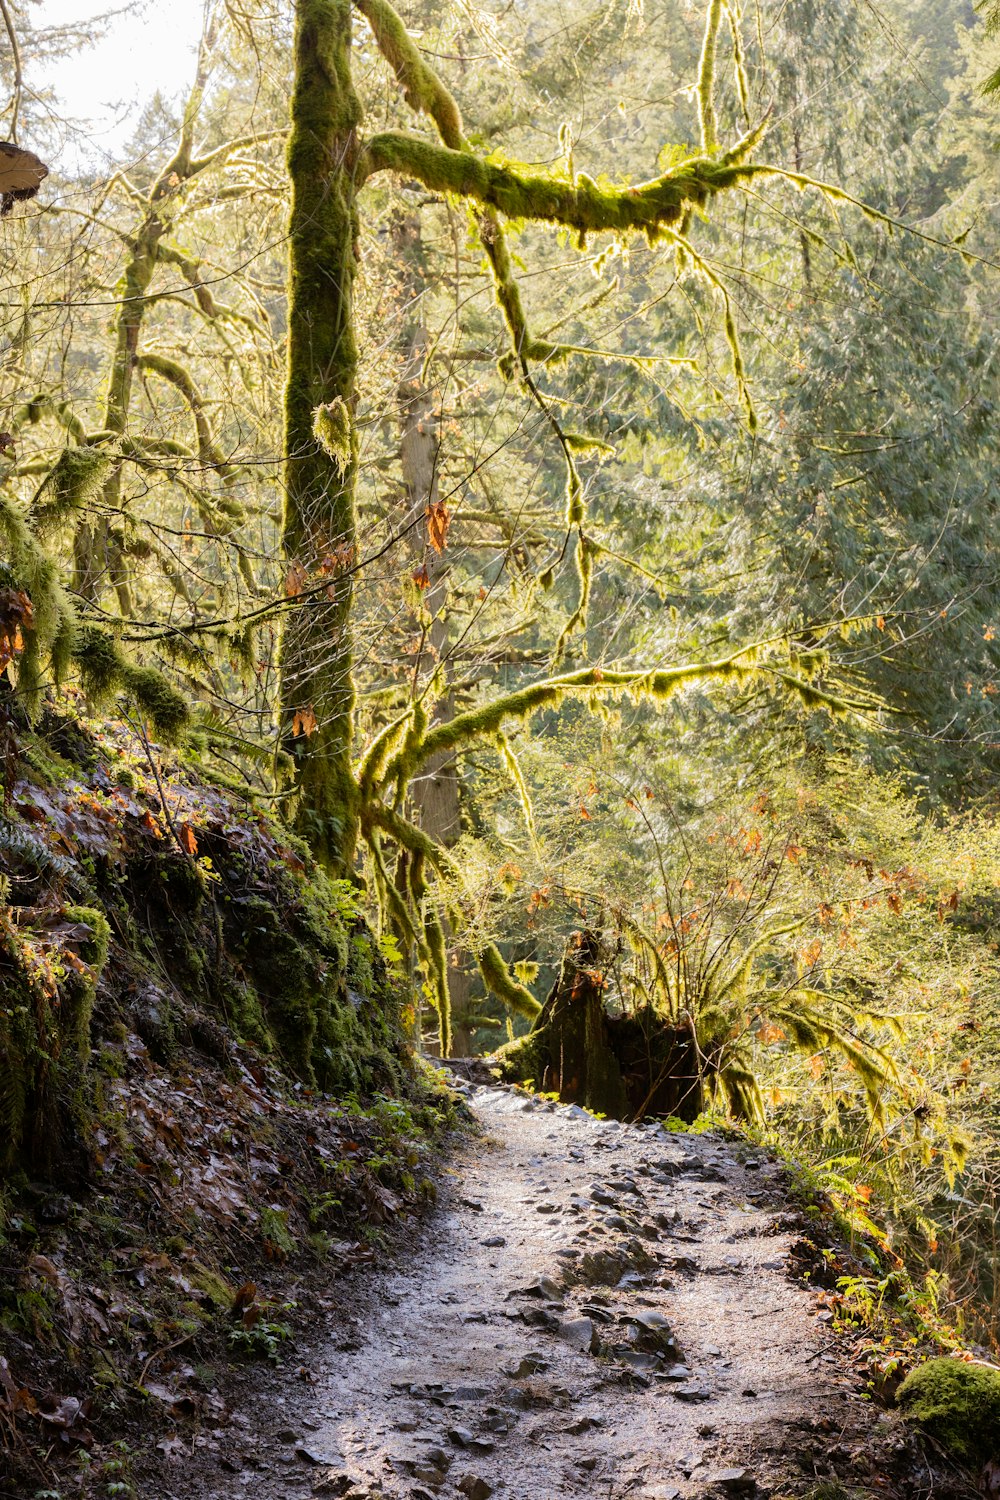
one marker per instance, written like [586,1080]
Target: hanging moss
[332,429]
[436,964]
[513,767]
[657,685]
[76,479]
[500,982]
[706,77]
[585,554]
[158,701]
[53,629]
[105,670]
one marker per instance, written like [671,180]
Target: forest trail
[599,1310]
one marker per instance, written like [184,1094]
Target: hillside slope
[207,1094]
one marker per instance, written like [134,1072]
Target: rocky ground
[598,1310]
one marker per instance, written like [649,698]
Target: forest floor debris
[598,1310]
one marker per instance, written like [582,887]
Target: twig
[8,22]
[158,1353]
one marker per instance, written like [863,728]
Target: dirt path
[599,1311]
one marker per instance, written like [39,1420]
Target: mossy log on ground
[624,1066]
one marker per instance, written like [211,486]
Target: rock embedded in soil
[734,1481]
[579,1332]
[474,1488]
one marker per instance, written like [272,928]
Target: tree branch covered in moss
[583,205]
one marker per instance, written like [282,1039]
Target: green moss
[76,479]
[332,429]
[105,669]
[54,622]
[522,1060]
[360,973]
[316,653]
[45,1044]
[158,700]
[215,1287]
[958,1404]
[584,205]
[501,982]
[274,1228]
[706,77]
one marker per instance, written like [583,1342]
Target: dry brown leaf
[296,580]
[438,521]
[304,721]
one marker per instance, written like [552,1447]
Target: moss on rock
[958,1404]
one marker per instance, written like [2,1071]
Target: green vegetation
[500,522]
[958,1404]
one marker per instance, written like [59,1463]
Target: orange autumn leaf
[296,580]
[339,560]
[438,521]
[422,578]
[16,616]
[187,838]
[304,721]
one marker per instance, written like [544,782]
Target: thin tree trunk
[97,552]
[435,793]
[319,524]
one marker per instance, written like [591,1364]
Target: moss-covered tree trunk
[320,447]
[97,551]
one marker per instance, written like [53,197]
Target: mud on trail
[597,1310]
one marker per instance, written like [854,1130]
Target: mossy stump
[624,1066]
[568,1051]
